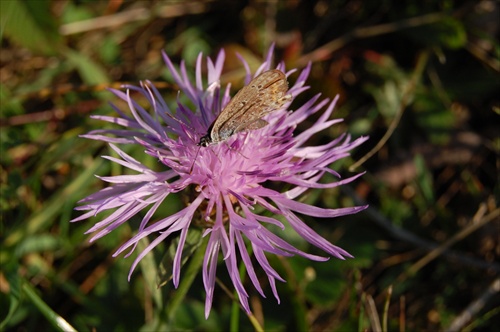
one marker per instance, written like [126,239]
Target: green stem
[187,280]
[57,321]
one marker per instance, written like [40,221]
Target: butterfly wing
[264,94]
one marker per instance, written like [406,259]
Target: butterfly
[263,95]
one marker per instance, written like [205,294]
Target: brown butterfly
[263,95]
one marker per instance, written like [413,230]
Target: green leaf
[9,105]
[149,271]
[424,178]
[109,50]
[39,219]
[91,72]
[388,85]
[30,24]
[39,243]
[193,269]
[451,33]
[193,242]
[191,317]
[433,117]
[448,33]
[326,287]
[58,322]
[14,284]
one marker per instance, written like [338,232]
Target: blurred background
[421,78]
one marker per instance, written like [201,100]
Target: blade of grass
[56,320]
[52,207]
[192,271]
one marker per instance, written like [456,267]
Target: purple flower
[229,179]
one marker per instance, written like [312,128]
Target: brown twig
[406,97]
[412,239]
[132,15]
[58,114]
[385,314]
[475,307]
[478,221]
[372,313]
[402,313]
[250,316]
[325,51]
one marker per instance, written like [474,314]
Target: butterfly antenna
[194,160]
[233,149]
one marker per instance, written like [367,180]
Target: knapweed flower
[228,179]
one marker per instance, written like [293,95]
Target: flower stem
[192,271]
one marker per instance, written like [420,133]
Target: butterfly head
[205,140]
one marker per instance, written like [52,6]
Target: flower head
[229,179]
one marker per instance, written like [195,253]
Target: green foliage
[90,72]
[30,24]
[449,33]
